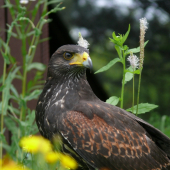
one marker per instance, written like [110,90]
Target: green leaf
[6,58]
[112,40]
[35,65]
[30,84]
[2,87]
[8,83]
[4,143]
[113,100]
[31,117]
[128,76]
[36,8]
[33,95]
[12,59]
[7,5]
[125,47]
[22,123]
[142,108]
[30,33]
[137,71]
[0,107]
[126,35]
[118,51]
[28,58]
[3,44]
[30,120]
[163,119]
[130,70]
[135,50]
[13,110]
[109,65]
[37,32]
[44,39]
[53,1]
[13,89]
[11,125]
[115,37]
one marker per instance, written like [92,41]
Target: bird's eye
[68,56]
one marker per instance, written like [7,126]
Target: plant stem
[143,27]
[3,83]
[133,90]
[22,113]
[138,91]
[2,115]
[14,17]
[24,78]
[123,81]
[31,53]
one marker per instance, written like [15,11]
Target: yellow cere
[79,58]
[34,144]
[85,56]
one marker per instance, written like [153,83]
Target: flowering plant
[136,66]
[20,120]
[40,154]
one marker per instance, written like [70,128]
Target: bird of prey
[98,135]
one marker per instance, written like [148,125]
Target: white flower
[144,23]
[134,61]
[24,1]
[82,42]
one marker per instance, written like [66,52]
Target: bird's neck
[61,94]
[75,75]
[74,88]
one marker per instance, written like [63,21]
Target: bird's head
[70,59]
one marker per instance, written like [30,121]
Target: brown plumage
[98,135]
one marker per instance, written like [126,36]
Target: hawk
[98,135]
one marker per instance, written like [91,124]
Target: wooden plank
[3,36]
[2,31]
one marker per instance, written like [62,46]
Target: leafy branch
[128,73]
[20,120]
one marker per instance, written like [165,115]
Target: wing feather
[115,145]
[157,136]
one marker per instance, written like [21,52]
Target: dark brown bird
[98,135]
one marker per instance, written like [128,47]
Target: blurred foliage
[158,121]
[97,23]
[15,116]
[97,20]
[40,154]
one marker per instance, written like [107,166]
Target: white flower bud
[144,23]
[134,61]
[24,1]
[82,42]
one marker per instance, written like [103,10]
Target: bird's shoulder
[99,131]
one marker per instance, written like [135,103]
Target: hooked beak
[82,60]
[88,63]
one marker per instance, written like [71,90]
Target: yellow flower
[68,162]
[52,157]
[8,164]
[34,144]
